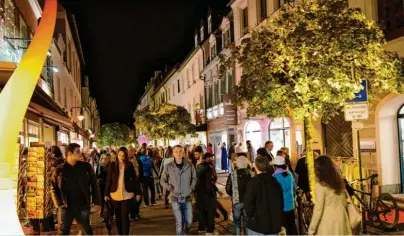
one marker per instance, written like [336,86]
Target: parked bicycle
[305,212]
[382,210]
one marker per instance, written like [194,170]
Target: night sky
[125,41]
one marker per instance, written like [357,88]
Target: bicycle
[305,212]
[377,209]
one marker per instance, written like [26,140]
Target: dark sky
[125,41]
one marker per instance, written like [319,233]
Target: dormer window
[202,33]
[209,24]
[226,37]
[196,40]
[212,51]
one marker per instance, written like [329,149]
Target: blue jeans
[183,216]
[82,216]
[250,232]
[238,211]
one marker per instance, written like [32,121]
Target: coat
[132,184]
[330,215]
[263,203]
[180,183]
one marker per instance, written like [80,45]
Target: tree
[114,134]
[306,61]
[167,122]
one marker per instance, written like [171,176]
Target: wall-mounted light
[81,115]
[48,53]
[54,68]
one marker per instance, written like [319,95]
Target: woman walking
[102,174]
[121,187]
[330,215]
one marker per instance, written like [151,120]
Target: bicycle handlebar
[370,177]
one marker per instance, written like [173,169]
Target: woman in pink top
[122,186]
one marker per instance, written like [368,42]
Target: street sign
[361,96]
[356,111]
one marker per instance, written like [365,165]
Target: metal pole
[358,153]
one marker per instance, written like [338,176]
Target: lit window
[279,133]
[209,24]
[202,33]
[196,40]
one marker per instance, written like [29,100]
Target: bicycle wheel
[387,211]
[307,214]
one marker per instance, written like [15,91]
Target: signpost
[358,109]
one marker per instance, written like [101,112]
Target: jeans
[148,183]
[206,206]
[166,195]
[250,232]
[122,209]
[238,212]
[183,216]
[82,216]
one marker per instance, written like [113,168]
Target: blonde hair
[285,149]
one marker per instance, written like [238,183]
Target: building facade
[381,139]
[48,118]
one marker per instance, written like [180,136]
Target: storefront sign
[356,111]
[230,110]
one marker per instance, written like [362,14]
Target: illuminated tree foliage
[165,122]
[304,62]
[114,134]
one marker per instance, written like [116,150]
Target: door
[338,137]
[400,117]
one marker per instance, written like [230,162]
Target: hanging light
[81,115]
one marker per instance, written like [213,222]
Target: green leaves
[114,134]
[310,58]
[167,121]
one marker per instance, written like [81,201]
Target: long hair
[126,157]
[327,173]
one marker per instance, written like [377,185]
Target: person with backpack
[147,179]
[236,187]
[287,181]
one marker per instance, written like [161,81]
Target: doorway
[253,133]
[400,117]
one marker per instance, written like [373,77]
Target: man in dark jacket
[236,186]
[263,201]
[72,184]
[206,195]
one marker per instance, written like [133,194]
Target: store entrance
[400,117]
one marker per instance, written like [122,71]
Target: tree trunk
[308,128]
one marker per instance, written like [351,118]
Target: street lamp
[81,115]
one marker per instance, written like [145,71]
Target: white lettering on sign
[356,111]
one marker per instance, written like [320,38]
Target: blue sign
[361,96]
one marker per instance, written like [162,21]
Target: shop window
[33,132]
[279,133]
[253,133]
[401,131]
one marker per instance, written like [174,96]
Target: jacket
[147,164]
[88,184]
[206,180]
[288,187]
[180,182]
[102,174]
[330,215]
[263,203]
[132,184]
[137,164]
[237,183]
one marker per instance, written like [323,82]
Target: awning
[80,131]
[51,116]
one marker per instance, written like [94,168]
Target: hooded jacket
[180,182]
[237,183]
[263,202]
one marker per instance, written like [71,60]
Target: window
[189,78]
[202,33]
[210,24]
[178,84]
[201,101]
[222,88]
[58,91]
[65,98]
[174,90]
[279,133]
[226,38]
[196,40]
[245,20]
[229,76]
[264,14]
[217,92]
[210,96]
[213,51]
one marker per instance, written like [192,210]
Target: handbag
[108,211]
[355,217]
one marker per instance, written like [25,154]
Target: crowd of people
[262,187]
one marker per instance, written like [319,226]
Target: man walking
[263,201]
[72,184]
[179,177]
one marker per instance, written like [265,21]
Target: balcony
[215,111]
[391,17]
